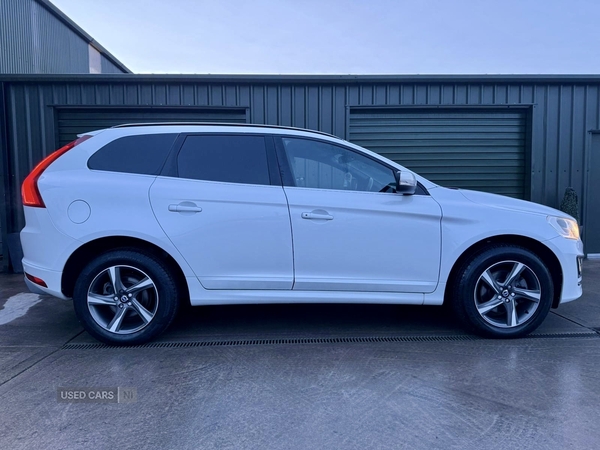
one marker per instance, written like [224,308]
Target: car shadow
[310,320]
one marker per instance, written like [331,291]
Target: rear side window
[144,154]
[227,158]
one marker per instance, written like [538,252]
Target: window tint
[321,165]
[228,158]
[143,154]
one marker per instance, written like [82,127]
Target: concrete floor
[541,392]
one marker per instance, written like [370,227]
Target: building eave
[306,79]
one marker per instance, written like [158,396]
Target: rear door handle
[185,207]
[317,215]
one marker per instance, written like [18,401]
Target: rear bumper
[45,251]
[53,280]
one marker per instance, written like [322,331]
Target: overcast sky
[346,36]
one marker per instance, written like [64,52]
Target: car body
[231,214]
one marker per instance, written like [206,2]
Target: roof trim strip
[305,79]
[221,124]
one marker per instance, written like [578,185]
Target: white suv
[134,220]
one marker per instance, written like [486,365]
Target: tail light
[29,191]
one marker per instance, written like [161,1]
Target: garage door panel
[441,113]
[481,150]
[517,122]
[473,169]
[507,179]
[77,124]
[460,158]
[72,122]
[435,129]
[446,135]
[152,118]
[117,112]
[436,154]
[482,144]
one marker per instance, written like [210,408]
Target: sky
[346,36]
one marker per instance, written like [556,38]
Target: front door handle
[320,215]
[184,207]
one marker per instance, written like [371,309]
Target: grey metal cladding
[16,42]
[559,112]
[107,66]
[37,38]
[71,122]
[482,150]
[37,42]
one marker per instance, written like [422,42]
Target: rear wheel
[504,291]
[125,297]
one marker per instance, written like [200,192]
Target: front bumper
[570,255]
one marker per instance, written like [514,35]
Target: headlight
[565,227]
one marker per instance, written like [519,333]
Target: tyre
[503,292]
[125,297]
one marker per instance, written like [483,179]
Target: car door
[351,231]
[226,211]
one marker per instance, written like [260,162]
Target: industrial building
[36,37]
[525,136]
[528,137]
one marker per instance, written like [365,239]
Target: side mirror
[406,183]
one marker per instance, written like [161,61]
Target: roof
[304,79]
[77,29]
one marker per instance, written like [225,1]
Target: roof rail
[222,124]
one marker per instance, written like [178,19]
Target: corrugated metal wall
[15,34]
[108,67]
[72,122]
[560,113]
[34,40]
[481,149]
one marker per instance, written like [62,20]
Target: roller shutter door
[72,122]
[478,150]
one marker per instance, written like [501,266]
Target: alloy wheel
[122,299]
[507,294]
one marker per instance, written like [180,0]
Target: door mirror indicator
[406,183]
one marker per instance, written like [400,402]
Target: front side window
[226,158]
[320,165]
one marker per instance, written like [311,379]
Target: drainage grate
[335,340]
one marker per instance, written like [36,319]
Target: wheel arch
[88,251]
[545,253]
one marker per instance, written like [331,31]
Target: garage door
[72,122]
[478,150]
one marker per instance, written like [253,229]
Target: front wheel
[125,297]
[504,292]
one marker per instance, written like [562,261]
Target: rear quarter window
[144,154]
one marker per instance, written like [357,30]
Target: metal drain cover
[330,340]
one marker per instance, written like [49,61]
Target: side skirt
[200,296]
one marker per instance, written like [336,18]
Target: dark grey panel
[16,41]
[562,109]
[34,40]
[107,66]
[72,122]
[5,170]
[591,229]
[481,150]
